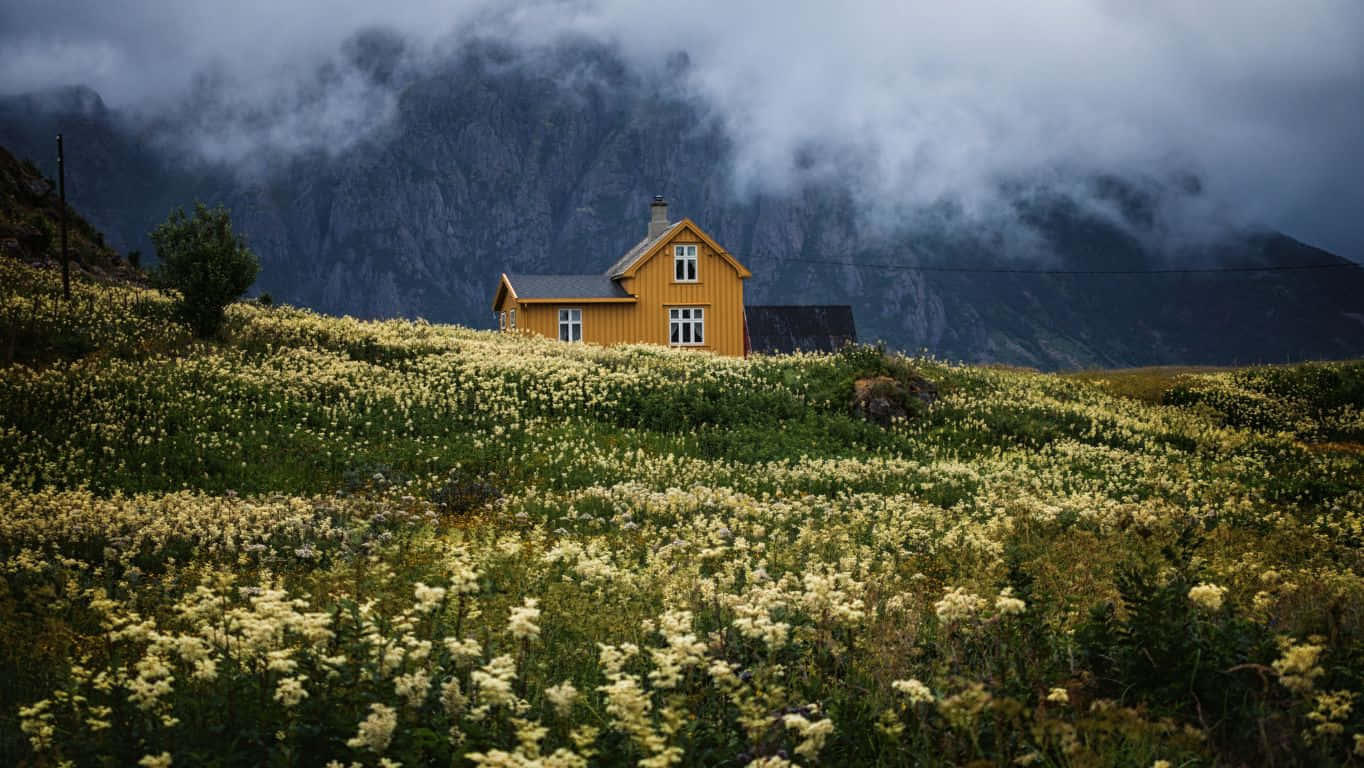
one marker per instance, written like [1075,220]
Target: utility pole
[61,186]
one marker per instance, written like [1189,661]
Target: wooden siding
[602,323]
[718,290]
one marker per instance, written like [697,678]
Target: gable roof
[782,329]
[626,265]
[624,262]
[603,287]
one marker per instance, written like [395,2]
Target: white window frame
[570,320]
[511,319]
[687,326]
[502,321]
[686,262]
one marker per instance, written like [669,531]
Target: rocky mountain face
[493,162]
[30,227]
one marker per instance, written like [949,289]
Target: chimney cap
[658,200]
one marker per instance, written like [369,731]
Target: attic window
[684,263]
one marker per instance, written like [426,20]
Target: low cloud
[327,106]
[920,103]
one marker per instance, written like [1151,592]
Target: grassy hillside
[323,539]
[30,216]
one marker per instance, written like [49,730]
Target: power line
[1022,271]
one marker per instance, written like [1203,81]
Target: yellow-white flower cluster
[726,595]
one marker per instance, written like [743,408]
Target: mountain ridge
[492,163]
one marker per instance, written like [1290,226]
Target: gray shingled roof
[602,286]
[634,253]
[566,287]
[783,329]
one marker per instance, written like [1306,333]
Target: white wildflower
[1008,605]
[521,623]
[463,577]
[494,681]
[958,605]
[452,699]
[1298,667]
[463,650]
[562,696]
[1207,596]
[375,731]
[812,734]
[290,691]
[412,687]
[428,598]
[917,692]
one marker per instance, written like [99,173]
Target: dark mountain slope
[30,226]
[497,162]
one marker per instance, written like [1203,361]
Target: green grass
[1147,384]
[729,565]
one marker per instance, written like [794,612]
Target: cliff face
[495,164]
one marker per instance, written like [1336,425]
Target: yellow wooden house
[676,287]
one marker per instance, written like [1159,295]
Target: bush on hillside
[203,260]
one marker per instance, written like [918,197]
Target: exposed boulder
[884,399]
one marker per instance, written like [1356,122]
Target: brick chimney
[658,217]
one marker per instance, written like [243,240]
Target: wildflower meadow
[324,541]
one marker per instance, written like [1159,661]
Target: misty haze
[393,164]
[621,384]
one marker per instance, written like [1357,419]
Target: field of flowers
[326,541]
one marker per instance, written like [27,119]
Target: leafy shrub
[1179,658]
[202,259]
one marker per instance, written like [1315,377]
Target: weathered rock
[883,399]
[502,161]
[880,399]
[923,390]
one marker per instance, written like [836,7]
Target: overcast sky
[1262,99]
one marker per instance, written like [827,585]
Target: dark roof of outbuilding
[782,329]
[566,287]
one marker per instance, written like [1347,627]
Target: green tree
[205,262]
